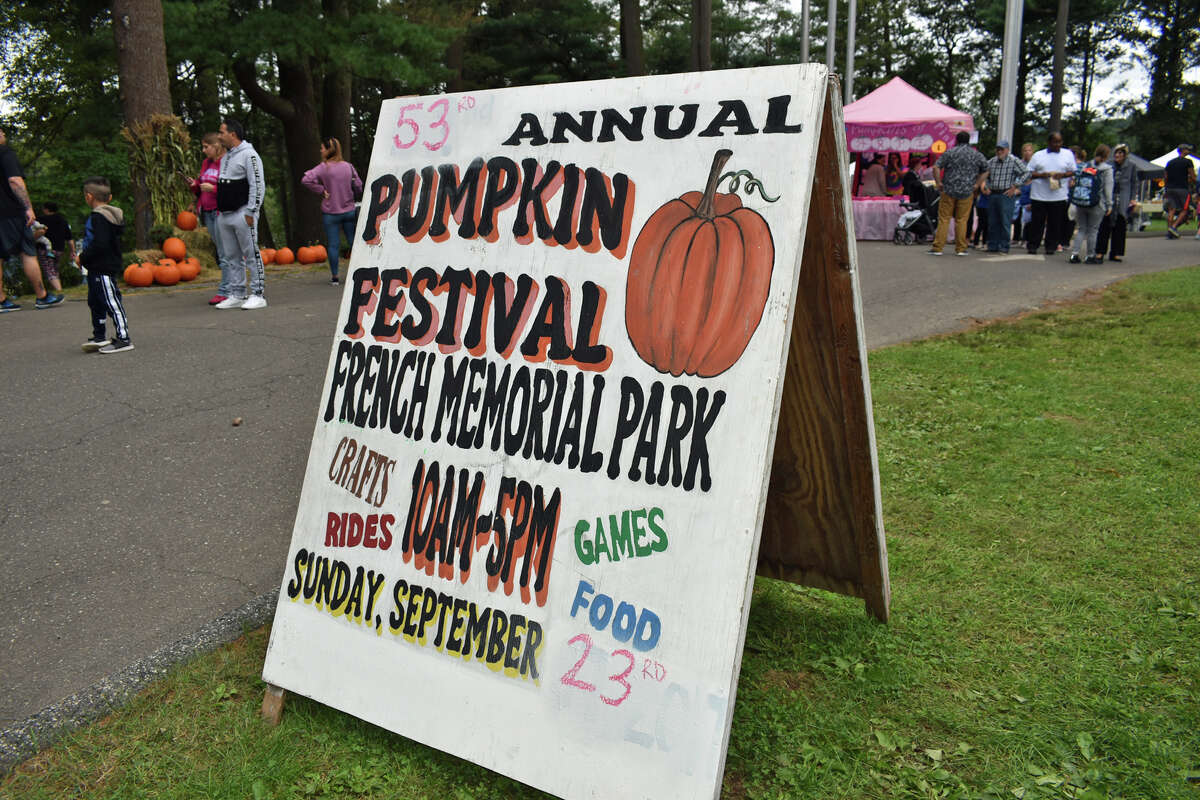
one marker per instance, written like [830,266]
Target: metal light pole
[851,19]
[831,35]
[804,27]
[1013,16]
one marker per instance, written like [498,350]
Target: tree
[524,42]
[947,59]
[145,89]
[1060,65]
[295,106]
[304,81]
[701,58]
[632,52]
[1171,37]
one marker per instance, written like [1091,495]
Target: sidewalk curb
[27,737]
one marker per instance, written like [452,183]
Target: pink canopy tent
[898,118]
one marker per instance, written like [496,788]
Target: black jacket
[100,251]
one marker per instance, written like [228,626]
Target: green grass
[1042,503]
[1158,224]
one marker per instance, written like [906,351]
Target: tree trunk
[1022,80]
[335,94]
[455,62]
[265,238]
[295,107]
[701,58]
[364,130]
[335,109]
[886,41]
[145,86]
[948,72]
[1060,61]
[631,38]
[1085,88]
[208,94]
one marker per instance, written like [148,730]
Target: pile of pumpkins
[178,266]
[304,255]
[175,267]
[283,256]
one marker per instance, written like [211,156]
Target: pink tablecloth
[875,217]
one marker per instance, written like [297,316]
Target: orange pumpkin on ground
[284,255]
[174,248]
[166,272]
[320,254]
[189,268]
[139,274]
[186,221]
[304,255]
[698,281]
[268,255]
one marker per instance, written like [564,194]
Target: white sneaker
[254,301]
[230,302]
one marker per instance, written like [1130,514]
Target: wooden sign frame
[824,518]
[813,516]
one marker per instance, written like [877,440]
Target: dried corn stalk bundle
[160,154]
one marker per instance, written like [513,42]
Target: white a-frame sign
[596,340]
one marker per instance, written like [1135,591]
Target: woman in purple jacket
[338,184]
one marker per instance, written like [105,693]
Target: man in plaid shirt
[1005,176]
[958,174]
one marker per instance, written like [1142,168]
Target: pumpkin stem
[707,207]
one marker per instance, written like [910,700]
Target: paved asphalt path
[133,512]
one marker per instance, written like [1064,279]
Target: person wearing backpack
[1092,197]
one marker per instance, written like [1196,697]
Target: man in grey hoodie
[240,191]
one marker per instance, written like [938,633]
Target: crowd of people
[229,192]
[1056,199]
[229,195]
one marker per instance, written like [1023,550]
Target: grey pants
[239,242]
[1087,227]
[212,221]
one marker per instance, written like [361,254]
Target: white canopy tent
[1165,157]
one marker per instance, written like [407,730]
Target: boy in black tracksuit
[100,254]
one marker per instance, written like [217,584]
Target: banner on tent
[902,138]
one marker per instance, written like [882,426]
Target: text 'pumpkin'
[698,281]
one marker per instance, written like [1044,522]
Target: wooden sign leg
[272,706]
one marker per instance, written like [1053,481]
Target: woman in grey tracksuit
[240,191]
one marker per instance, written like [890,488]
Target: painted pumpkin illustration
[698,280]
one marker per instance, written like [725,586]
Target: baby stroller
[919,222]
